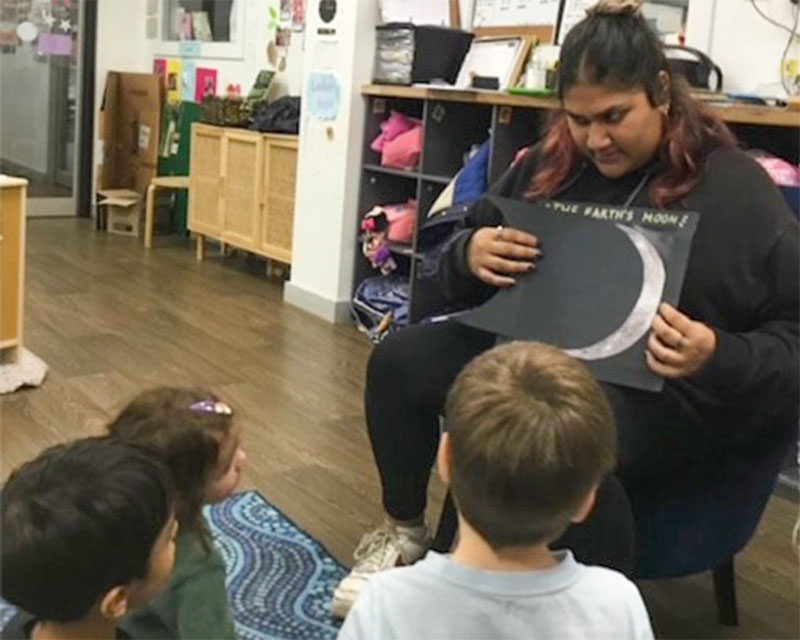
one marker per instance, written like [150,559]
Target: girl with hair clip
[628,133]
[195,434]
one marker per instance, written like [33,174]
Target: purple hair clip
[212,406]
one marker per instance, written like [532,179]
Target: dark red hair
[622,52]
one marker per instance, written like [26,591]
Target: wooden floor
[111,320]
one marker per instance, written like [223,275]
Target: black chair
[695,525]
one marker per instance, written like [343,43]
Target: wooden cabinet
[280,169]
[12,265]
[205,181]
[242,190]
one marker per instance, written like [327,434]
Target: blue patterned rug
[280,580]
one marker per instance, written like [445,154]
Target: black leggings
[408,377]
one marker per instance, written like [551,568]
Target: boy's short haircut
[78,520]
[531,434]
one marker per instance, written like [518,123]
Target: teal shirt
[193,604]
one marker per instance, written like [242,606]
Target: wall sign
[323,95]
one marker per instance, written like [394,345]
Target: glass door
[39,96]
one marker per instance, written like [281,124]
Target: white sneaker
[385,548]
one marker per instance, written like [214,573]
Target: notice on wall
[189,81]
[323,95]
[504,13]
[428,12]
[574,12]
[174,67]
[160,69]
[190,49]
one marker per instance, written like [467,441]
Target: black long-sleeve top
[742,280]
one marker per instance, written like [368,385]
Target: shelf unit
[455,120]
[451,129]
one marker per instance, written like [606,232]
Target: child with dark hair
[88,532]
[195,434]
[528,436]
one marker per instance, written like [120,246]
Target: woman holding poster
[629,134]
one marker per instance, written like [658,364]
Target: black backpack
[281,116]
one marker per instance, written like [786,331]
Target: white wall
[326,206]
[25,106]
[746,47]
[122,45]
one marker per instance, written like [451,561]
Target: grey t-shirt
[439,598]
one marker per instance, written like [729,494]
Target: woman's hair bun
[616,8]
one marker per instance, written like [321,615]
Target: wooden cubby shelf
[454,121]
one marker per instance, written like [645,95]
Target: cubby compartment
[513,128]
[451,129]
[429,191]
[378,109]
[379,187]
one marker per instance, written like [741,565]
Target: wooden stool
[163,182]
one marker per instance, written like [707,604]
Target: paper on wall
[505,13]
[174,66]
[429,12]
[189,81]
[323,95]
[205,83]
[160,69]
[574,12]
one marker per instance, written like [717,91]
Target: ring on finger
[681,343]
[498,232]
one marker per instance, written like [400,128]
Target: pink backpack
[404,151]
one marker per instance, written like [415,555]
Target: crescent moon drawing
[641,316]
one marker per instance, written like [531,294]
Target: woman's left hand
[678,347]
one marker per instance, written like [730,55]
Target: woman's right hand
[495,254]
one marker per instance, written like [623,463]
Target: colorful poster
[189,81]
[55,44]
[205,84]
[174,66]
[160,69]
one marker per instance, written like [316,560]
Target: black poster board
[597,288]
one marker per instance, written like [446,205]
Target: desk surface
[733,113]
[12,181]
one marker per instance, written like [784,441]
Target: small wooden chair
[162,182]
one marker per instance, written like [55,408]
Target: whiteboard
[507,13]
[574,12]
[493,58]
[428,12]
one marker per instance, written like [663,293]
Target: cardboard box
[123,211]
[130,124]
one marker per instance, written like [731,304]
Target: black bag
[281,116]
